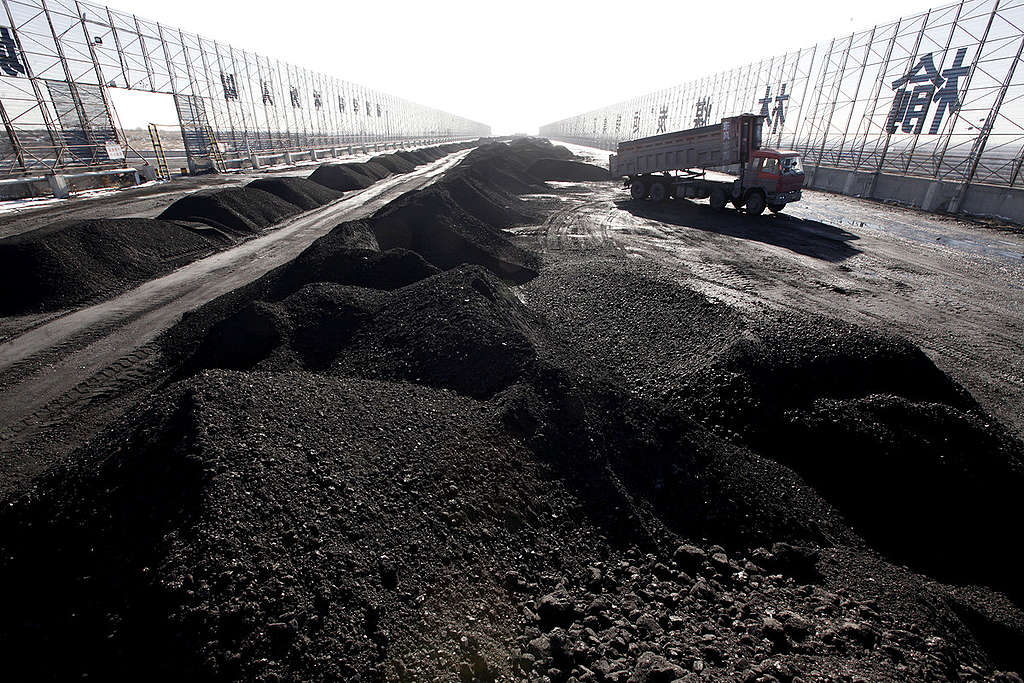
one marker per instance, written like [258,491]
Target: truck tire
[777,208]
[638,189]
[755,203]
[717,198]
[659,191]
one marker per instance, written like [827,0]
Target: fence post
[979,143]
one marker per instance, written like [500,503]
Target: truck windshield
[791,165]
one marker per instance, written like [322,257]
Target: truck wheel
[777,208]
[658,192]
[638,189]
[755,204]
[717,199]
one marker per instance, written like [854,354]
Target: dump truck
[676,164]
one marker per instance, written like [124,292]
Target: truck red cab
[779,173]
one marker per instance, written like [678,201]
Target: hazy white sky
[518,65]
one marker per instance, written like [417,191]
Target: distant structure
[59,58]
[926,110]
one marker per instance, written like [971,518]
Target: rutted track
[52,373]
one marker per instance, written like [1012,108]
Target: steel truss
[935,95]
[60,58]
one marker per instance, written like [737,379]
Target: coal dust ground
[510,426]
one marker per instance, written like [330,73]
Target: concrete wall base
[62,185]
[59,186]
[983,201]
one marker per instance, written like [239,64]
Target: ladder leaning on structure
[215,156]
[158,150]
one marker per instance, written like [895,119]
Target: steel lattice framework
[935,95]
[58,58]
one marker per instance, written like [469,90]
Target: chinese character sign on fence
[227,81]
[910,108]
[774,117]
[10,57]
[702,113]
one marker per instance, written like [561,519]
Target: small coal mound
[371,169]
[504,166]
[388,269]
[462,330]
[302,192]
[485,202]
[350,255]
[329,258]
[66,264]
[415,157]
[393,163]
[303,331]
[341,177]
[543,148]
[236,210]
[567,170]
[432,223]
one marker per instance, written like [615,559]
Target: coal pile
[302,192]
[343,258]
[305,330]
[462,330]
[461,217]
[567,170]
[394,163]
[433,224]
[341,177]
[506,166]
[417,157]
[235,210]
[324,548]
[901,449]
[68,264]
[488,342]
[371,169]
[459,477]
[542,148]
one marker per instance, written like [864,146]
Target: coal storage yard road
[954,288]
[63,379]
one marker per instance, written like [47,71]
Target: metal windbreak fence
[59,58]
[936,95]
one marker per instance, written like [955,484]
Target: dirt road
[955,288]
[58,379]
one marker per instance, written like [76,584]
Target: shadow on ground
[802,236]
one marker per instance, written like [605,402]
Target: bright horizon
[514,67]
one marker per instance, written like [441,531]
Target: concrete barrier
[983,201]
[62,185]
